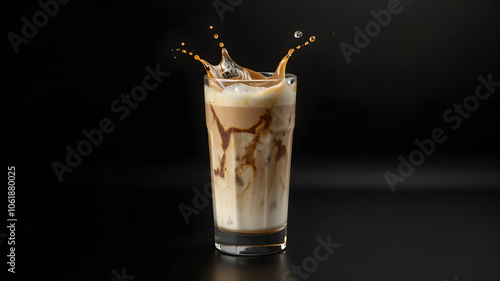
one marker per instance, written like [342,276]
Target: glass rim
[288,76]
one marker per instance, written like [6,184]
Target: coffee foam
[243,95]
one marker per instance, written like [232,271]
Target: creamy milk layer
[243,95]
[250,137]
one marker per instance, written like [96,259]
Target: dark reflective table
[137,233]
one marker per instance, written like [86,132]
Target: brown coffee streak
[220,171]
[248,158]
[281,149]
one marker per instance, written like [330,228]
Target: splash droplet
[182,43]
[298,34]
[290,52]
[196,57]
[216,36]
[312,38]
[221,44]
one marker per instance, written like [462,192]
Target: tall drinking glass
[250,125]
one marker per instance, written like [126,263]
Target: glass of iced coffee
[250,121]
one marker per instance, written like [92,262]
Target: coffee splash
[228,69]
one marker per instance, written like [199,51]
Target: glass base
[249,244]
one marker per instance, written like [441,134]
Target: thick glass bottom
[250,244]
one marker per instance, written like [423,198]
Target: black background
[353,121]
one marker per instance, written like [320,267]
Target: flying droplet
[175,57]
[184,51]
[306,43]
[172,50]
[312,38]
[190,53]
[221,44]
[211,27]
[298,47]
[216,36]
[177,49]
[182,43]
[298,34]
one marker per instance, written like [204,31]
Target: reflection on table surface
[226,267]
